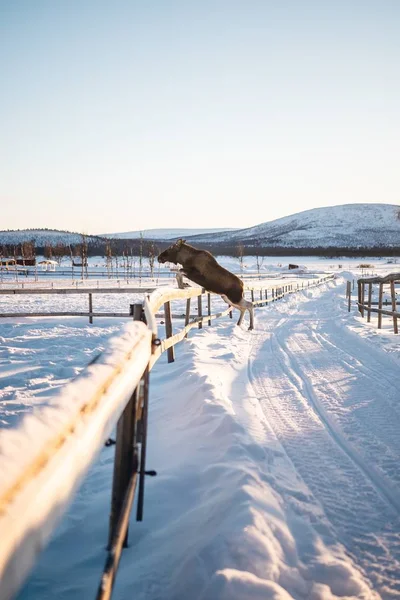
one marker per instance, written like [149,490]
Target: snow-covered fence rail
[366,306]
[43,461]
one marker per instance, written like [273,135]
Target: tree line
[140,248]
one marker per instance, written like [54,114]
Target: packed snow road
[333,402]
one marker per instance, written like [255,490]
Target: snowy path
[277,454]
[333,403]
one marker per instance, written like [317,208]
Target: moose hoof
[250,328]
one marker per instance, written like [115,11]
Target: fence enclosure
[367,306]
[45,459]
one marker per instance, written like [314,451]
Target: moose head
[171,253]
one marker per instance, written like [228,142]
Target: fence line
[366,306]
[43,461]
[276,291]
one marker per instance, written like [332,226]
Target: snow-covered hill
[164,234]
[343,226]
[347,225]
[41,237]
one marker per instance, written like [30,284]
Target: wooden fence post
[369,302]
[362,298]
[380,302]
[187,315]
[261,297]
[168,330]
[125,463]
[90,308]
[200,309]
[348,292]
[144,399]
[209,308]
[394,308]
[125,459]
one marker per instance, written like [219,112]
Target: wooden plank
[143,430]
[187,314]
[123,463]
[386,279]
[168,330]
[380,303]
[369,302]
[393,295]
[90,308]
[75,290]
[200,311]
[349,296]
[115,550]
[62,314]
[362,298]
[389,313]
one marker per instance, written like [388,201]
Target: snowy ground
[277,452]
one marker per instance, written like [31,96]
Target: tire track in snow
[382,486]
[357,500]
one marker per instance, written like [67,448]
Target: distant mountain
[163,234]
[41,237]
[349,226]
[344,226]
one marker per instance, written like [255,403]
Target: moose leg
[179,278]
[242,311]
[243,306]
[251,313]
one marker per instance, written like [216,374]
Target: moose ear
[180,242]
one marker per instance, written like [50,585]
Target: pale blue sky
[124,115]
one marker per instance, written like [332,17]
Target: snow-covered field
[277,454]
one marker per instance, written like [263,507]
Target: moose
[201,267]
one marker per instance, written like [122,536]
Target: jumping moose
[201,267]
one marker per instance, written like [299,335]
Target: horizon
[137,116]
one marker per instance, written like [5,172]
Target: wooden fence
[44,460]
[89,291]
[262,288]
[366,306]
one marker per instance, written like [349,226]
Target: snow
[277,454]
[41,237]
[344,226]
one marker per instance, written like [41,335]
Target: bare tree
[109,259]
[153,251]
[259,258]
[240,255]
[140,257]
[60,251]
[84,255]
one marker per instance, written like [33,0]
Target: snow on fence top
[43,461]
[385,279]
